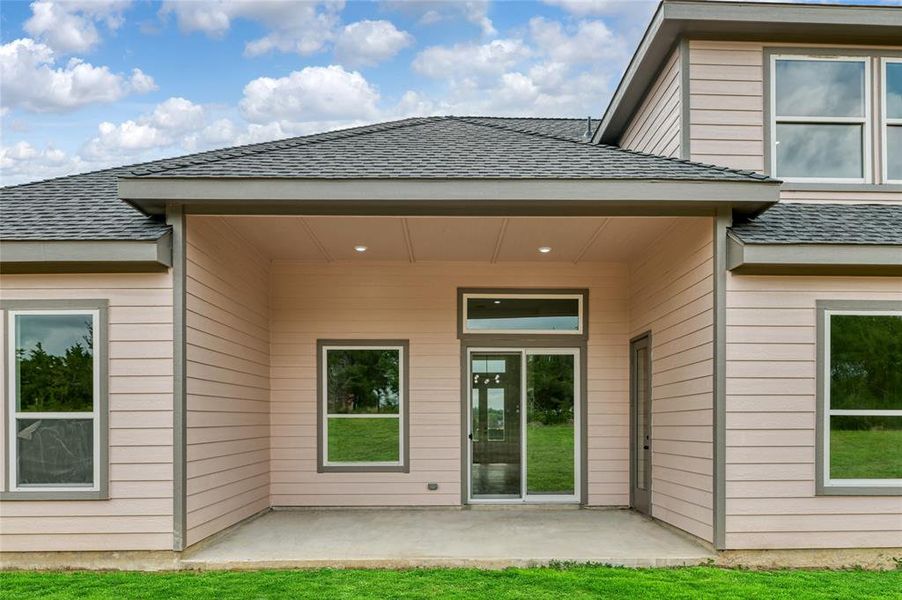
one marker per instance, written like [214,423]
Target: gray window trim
[573,339]
[102,307]
[404,467]
[873,175]
[820,454]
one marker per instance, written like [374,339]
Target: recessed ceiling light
[497,301]
[544,249]
[360,248]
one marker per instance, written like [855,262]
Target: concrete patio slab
[486,538]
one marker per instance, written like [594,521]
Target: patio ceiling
[419,239]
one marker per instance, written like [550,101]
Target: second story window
[892,120]
[820,115]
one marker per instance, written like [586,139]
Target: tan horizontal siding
[138,515]
[228,378]
[655,127]
[671,293]
[419,302]
[771,387]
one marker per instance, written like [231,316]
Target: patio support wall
[228,378]
[671,292]
[418,302]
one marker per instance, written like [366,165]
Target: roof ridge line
[520,131]
[305,140]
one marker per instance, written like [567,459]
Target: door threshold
[523,506]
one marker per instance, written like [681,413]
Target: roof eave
[437,197]
[813,259]
[85,256]
[747,21]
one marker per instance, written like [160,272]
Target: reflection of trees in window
[865,367]
[57,383]
[363,381]
[550,388]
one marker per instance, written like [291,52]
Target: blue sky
[86,84]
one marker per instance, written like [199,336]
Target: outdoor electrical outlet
[431,486]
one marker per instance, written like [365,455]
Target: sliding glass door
[524,425]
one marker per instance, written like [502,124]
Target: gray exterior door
[640,423]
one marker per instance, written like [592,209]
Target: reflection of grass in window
[865,454]
[550,454]
[363,440]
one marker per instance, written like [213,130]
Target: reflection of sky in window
[819,88]
[829,151]
[894,152]
[56,333]
[489,366]
[894,90]
[566,323]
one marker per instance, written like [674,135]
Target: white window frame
[15,415]
[324,401]
[865,121]
[885,121]
[535,296]
[830,412]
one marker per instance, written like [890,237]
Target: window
[522,313]
[820,115]
[892,120]
[363,399]
[861,393]
[56,401]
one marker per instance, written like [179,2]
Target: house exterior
[677,310]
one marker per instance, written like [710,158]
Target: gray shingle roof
[86,206]
[444,147]
[798,223]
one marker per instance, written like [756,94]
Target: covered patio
[484,537]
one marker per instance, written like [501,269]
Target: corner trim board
[176,218]
[722,222]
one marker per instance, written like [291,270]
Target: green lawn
[363,440]
[875,454]
[550,458]
[572,583]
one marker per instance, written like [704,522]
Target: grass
[363,440]
[549,451]
[696,583]
[875,454]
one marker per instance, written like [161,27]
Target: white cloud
[70,25]
[469,60]
[590,41]
[597,7]
[431,12]
[366,43]
[22,162]
[301,27]
[311,94]
[168,124]
[552,70]
[30,79]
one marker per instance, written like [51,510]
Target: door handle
[470,436]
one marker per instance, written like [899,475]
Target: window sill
[873,490]
[798,186]
[55,495]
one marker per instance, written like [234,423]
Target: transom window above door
[522,312]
